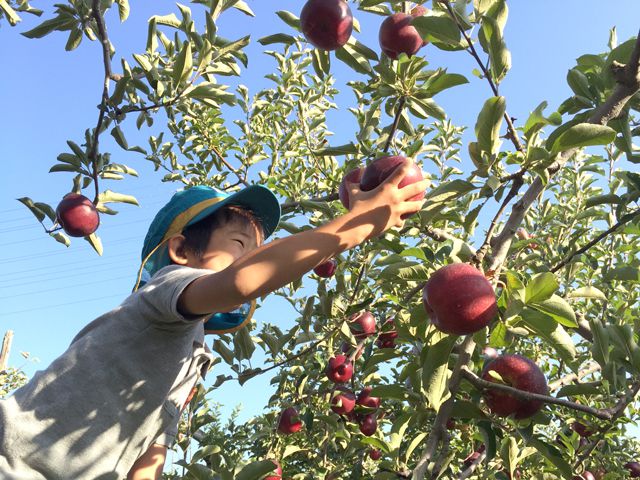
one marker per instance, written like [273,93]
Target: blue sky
[49,292]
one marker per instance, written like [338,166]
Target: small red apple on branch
[339,369]
[398,35]
[326,269]
[362,325]
[275,474]
[326,24]
[459,299]
[343,401]
[518,372]
[77,215]
[289,421]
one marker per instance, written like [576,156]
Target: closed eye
[240,242]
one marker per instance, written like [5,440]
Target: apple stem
[394,126]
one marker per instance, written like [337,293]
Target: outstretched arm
[149,466]
[282,261]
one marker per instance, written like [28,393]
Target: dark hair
[197,235]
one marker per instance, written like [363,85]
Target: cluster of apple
[77,215]
[327,25]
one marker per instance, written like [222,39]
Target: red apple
[472,457]
[586,475]
[388,330]
[326,24]
[343,401]
[522,234]
[339,369]
[77,215]
[518,372]
[379,170]
[369,424]
[386,343]
[326,269]
[348,350]
[634,469]
[581,429]
[289,421]
[366,401]
[353,176]
[362,325]
[375,454]
[397,35]
[459,299]
[275,474]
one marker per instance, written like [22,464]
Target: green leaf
[537,120]
[540,287]
[583,135]
[112,197]
[61,238]
[64,167]
[417,440]
[579,83]
[346,149]
[435,368]
[289,18]
[354,59]
[321,62]
[587,292]
[425,108]
[601,340]
[47,210]
[75,37]
[489,123]
[243,345]
[169,20]
[37,212]
[578,389]
[183,65]
[123,9]
[552,332]
[623,274]
[550,453]
[467,409]
[95,243]
[448,191]
[397,392]
[244,8]
[226,353]
[444,81]
[397,431]
[11,14]
[116,133]
[256,470]
[277,38]
[211,91]
[557,308]
[438,28]
[493,43]
[57,23]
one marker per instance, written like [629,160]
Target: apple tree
[493,336]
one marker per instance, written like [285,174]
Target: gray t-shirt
[117,389]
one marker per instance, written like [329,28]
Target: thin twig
[623,220]
[394,126]
[567,379]
[293,204]
[241,179]
[481,384]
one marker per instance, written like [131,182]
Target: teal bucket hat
[191,205]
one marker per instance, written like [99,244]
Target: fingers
[412,207]
[354,187]
[414,189]
[399,173]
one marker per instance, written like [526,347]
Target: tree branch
[623,220]
[566,380]
[444,412]
[96,13]
[481,384]
[394,126]
[626,87]
[293,204]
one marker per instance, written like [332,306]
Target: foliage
[565,307]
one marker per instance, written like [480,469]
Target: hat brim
[256,198]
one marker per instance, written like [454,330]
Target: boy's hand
[384,206]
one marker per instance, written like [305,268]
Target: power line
[51,267]
[49,307]
[10,283]
[67,287]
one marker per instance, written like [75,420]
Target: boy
[114,395]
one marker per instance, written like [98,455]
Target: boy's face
[227,244]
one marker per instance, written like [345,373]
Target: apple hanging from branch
[77,215]
[326,24]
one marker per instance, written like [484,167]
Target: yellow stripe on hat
[176,227]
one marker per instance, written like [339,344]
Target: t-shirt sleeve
[158,299]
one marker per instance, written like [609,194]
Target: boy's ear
[176,250]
